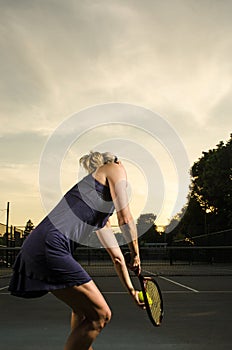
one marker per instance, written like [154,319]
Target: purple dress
[45,261]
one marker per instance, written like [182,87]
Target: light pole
[7,233]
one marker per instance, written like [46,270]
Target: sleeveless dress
[45,261]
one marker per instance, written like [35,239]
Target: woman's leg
[76,319]
[90,314]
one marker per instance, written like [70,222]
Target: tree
[28,228]
[210,197]
[212,184]
[147,229]
[188,223]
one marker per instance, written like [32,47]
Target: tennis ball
[141,298]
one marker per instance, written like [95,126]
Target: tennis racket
[152,296]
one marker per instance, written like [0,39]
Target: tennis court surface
[198,314]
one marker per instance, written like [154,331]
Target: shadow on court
[198,315]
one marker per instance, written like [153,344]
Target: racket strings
[155,306]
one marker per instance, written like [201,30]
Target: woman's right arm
[109,242]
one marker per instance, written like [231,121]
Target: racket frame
[142,280]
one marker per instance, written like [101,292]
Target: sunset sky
[59,58]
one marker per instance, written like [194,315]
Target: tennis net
[164,260]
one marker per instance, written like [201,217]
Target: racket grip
[136,271]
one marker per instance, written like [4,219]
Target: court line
[174,282]
[216,291]
[4,287]
[163,292]
[179,284]
[177,292]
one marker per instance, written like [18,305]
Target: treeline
[207,217]
[15,235]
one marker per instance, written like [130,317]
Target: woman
[46,264]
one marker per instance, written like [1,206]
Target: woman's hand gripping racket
[151,295]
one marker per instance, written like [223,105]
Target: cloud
[58,57]
[221,112]
[23,148]
[86,52]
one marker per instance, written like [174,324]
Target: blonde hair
[93,160]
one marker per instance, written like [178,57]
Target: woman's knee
[103,317]
[87,301]
[96,321]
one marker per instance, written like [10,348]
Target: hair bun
[93,160]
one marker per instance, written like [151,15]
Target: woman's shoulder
[115,170]
[110,171]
